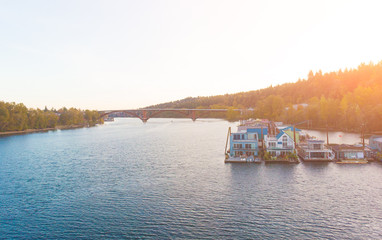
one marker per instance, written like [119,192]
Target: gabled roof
[280,134]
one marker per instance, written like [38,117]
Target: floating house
[246,142]
[315,151]
[279,144]
[255,136]
[345,153]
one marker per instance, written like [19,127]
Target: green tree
[4,116]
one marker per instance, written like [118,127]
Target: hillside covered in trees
[348,99]
[17,117]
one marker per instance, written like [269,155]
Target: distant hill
[348,99]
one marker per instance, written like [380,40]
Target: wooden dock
[351,161]
[282,161]
[239,160]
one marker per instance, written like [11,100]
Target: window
[317,146]
[317,155]
[272,144]
[248,146]
[285,141]
[252,136]
[237,146]
[236,136]
[350,155]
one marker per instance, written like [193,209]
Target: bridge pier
[144,116]
[193,115]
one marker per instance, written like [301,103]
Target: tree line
[349,99]
[17,117]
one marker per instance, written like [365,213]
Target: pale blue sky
[130,54]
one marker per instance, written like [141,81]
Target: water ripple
[166,180]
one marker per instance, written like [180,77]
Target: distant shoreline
[338,130]
[27,131]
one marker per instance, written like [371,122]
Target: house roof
[291,128]
[280,134]
[258,130]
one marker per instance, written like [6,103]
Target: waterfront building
[279,144]
[315,150]
[256,136]
[345,153]
[244,143]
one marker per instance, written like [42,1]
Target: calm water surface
[167,179]
[338,137]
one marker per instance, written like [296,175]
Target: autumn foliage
[348,99]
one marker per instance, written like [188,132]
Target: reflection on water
[167,179]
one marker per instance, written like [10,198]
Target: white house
[280,144]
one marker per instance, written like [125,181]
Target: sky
[107,55]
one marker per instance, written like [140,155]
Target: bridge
[147,113]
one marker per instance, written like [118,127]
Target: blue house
[246,142]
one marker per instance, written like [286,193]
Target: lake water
[338,137]
[167,179]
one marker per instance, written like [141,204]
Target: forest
[17,117]
[348,100]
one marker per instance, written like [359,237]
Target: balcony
[244,148]
[288,147]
